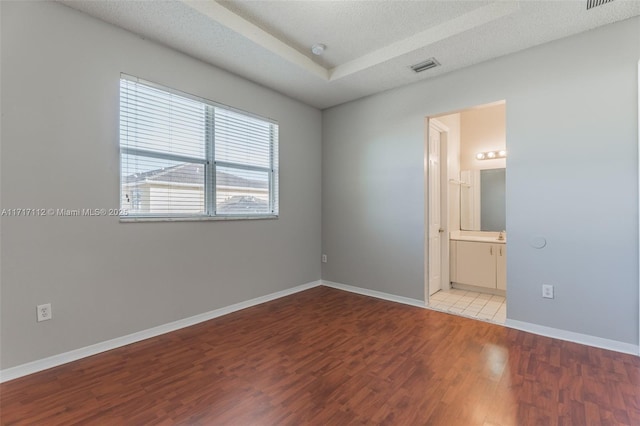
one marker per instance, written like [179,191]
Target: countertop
[478,238]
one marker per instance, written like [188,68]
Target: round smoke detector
[318,49]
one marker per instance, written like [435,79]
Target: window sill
[132,219]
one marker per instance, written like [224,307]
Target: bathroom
[466,232]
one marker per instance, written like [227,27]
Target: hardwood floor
[327,357]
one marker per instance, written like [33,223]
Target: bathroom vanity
[478,259]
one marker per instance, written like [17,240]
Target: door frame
[444,205]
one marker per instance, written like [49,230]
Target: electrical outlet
[547,291]
[44,312]
[324,258]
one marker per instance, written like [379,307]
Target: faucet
[501,235]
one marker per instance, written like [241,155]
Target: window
[183,156]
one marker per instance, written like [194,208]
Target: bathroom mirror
[482,200]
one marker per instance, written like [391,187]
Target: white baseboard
[570,336]
[55,360]
[374,293]
[63,358]
[555,333]
[478,289]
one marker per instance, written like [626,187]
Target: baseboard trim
[585,339]
[478,289]
[570,336]
[374,293]
[76,354]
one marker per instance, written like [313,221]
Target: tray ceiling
[370,44]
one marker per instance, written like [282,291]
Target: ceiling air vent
[595,3]
[423,66]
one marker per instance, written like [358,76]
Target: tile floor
[486,307]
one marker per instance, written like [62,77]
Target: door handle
[500,251]
[441,230]
[491,250]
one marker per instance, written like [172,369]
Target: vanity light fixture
[491,155]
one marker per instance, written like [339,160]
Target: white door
[435,226]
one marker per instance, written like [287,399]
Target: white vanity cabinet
[501,267]
[479,263]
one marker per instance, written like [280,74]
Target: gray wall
[60,73]
[572,137]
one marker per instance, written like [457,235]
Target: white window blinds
[185,156]
[245,160]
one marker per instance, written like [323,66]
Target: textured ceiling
[350,29]
[370,44]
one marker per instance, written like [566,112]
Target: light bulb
[491,154]
[480,156]
[502,153]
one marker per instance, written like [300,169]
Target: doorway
[465,213]
[437,265]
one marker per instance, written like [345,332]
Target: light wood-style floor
[327,357]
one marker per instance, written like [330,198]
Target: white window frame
[210,164]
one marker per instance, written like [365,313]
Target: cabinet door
[476,264]
[501,266]
[453,268]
